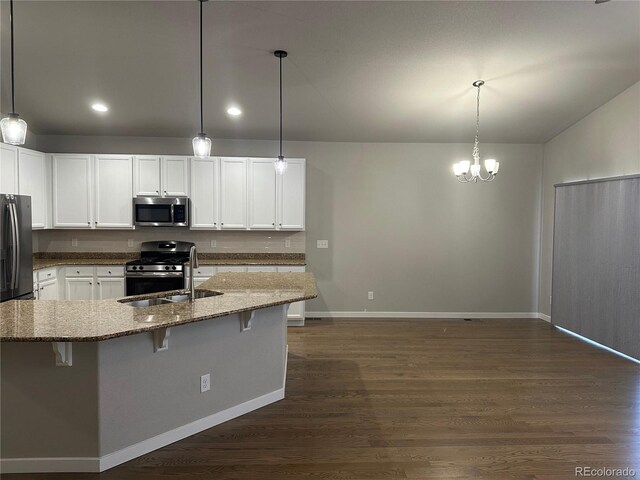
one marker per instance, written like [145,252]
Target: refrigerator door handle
[15,236]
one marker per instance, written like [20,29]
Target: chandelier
[464,171]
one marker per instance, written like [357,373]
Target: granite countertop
[41,261]
[94,320]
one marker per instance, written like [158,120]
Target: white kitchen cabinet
[291,195]
[113,191]
[109,287]
[32,181]
[233,193]
[79,288]
[175,176]
[231,268]
[161,176]
[205,189]
[72,191]
[146,175]
[296,313]
[48,290]
[261,268]
[262,194]
[8,169]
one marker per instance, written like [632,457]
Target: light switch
[323,244]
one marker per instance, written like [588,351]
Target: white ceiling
[356,71]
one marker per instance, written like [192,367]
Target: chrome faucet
[193,264]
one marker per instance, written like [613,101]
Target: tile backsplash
[119,240]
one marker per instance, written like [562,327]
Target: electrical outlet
[213,244]
[323,244]
[74,242]
[370,295]
[287,243]
[130,243]
[205,383]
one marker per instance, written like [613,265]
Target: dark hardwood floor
[421,399]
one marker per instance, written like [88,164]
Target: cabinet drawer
[46,274]
[260,268]
[78,271]
[110,271]
[291,268]
[229,268]
[204,271]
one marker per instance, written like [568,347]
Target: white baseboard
[433,315]
[100,464]
[544,317]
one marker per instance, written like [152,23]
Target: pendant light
[281,163]
[461,169]
[201,143]
[14,129]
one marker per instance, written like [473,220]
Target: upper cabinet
[92,191]
[205,192]
[32,178]
[262,194]
[291,195]
[8,169]
[161,176]
[146,175]
[175,176]
[113,191]
[72,191]
[233,193]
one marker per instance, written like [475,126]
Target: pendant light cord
[201,95]
[13,93]
[281,106]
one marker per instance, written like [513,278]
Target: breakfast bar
[90,384]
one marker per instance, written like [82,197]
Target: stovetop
[173,260]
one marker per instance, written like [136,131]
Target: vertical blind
[596,261]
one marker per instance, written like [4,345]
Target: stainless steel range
[161,267]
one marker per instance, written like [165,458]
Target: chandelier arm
[484,179]
[462,178]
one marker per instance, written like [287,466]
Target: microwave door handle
[15,237]
[173,215]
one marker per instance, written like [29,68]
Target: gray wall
[606,143]
[398,222]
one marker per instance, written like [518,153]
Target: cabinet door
[79,288]
[113,186]
[48,290]
[146,175]
[233,193]
[296,313]
[32,182]
[204,192]
[291,197]
[175,176]
[8,169]
[262,194]
[72,198]
[109,287]
[261,268]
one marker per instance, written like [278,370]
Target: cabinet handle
[157,191]
[90,283]
[165,192]
[88,223]
[273,224]
[98,283]
[78,272]
[109,272]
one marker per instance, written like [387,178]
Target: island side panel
[144,393]
[47,411]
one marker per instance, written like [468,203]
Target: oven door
[142,283]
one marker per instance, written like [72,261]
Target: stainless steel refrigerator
[16,261]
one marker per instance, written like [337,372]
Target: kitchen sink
[180,298]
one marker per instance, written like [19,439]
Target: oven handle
[153,274]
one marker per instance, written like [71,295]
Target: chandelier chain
[476,147]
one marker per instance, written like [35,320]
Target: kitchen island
[87,385]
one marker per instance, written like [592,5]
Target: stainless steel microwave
[161,211]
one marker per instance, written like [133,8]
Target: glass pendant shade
[475,170]
[14,129]
[281,165]
[490,165]
[201,145]
[457,169]
[464,165]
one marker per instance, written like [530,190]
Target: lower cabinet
[296,313]
[94,283]
[48,290]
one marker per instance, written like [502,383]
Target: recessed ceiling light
[100,107]
[234,111]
